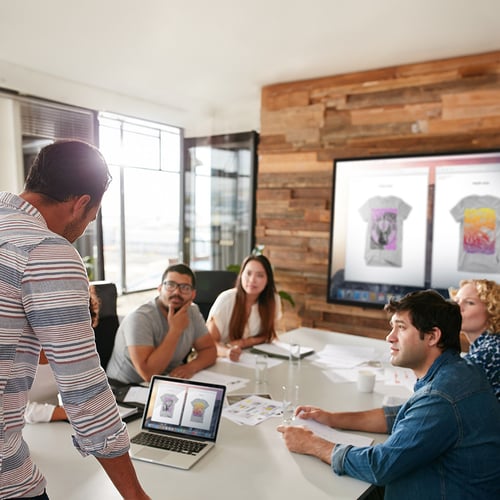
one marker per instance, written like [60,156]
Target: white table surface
[247,462]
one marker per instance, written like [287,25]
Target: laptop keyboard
[178,445]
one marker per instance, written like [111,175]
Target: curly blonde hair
[489,293]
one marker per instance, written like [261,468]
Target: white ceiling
[201,64]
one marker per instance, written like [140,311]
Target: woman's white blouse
[223,307]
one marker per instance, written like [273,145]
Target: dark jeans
[43,496]
[374,493]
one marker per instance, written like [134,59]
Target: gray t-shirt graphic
[384,216]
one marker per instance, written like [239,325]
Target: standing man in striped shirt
[44,298]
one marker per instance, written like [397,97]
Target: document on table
[351,374]
[136,394]
[127,411]
[397,376]
[391,380]
[341,356]
[281,349]
[252,410]
[333,435]
[231,383]
[235,398]
[247,359]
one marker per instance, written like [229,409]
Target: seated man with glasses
[157,337]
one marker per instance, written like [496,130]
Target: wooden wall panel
[434,106]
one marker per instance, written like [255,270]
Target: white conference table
[248,462]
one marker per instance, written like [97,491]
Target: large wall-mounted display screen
[412,223]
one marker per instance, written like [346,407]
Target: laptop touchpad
[152,454]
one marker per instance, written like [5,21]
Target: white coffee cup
[366,381]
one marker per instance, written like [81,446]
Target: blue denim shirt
[444,441]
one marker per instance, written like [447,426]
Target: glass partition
[219,219]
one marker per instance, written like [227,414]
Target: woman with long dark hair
[246,315]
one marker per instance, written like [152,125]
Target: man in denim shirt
[444,441]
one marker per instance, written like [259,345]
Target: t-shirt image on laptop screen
[180,422]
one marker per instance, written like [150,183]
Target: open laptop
[178,410]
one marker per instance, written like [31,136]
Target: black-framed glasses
[183,287]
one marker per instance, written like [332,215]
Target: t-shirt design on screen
[383,234]
[199,407]
[384,237]
[168,405]
[479,245]
[479,230]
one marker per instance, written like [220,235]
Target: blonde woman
[245,316]
[479,301]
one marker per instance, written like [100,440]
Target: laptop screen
[184,407]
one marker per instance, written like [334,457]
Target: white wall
[11,158]
[194,122]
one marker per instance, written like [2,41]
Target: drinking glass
[290,401]
[261,368]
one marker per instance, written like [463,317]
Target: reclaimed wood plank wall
[437,106]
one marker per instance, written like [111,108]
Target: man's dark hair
[67,169]
[428,309]
[181,269]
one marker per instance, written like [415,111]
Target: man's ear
[434,336]
[82,203]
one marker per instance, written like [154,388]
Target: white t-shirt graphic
[168,402]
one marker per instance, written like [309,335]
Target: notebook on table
[180,422]
[278,349]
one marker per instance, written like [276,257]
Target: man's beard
[178,298]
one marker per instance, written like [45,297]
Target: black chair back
[105,331]
[208,286]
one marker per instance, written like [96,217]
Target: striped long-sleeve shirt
[44,302]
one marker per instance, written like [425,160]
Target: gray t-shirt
[147,326]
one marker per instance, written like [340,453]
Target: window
[141,211]
[43,122]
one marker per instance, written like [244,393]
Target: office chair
[208,286]
[105,331]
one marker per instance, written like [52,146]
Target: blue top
[485,352]
[444,441]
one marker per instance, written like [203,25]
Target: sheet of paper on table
[333,435]
[351,374]
[127,411]
[281,349]
[235,398]
[397,376]
[247,359]
[136,394]
[252,410]
[232,383]
[342,356]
